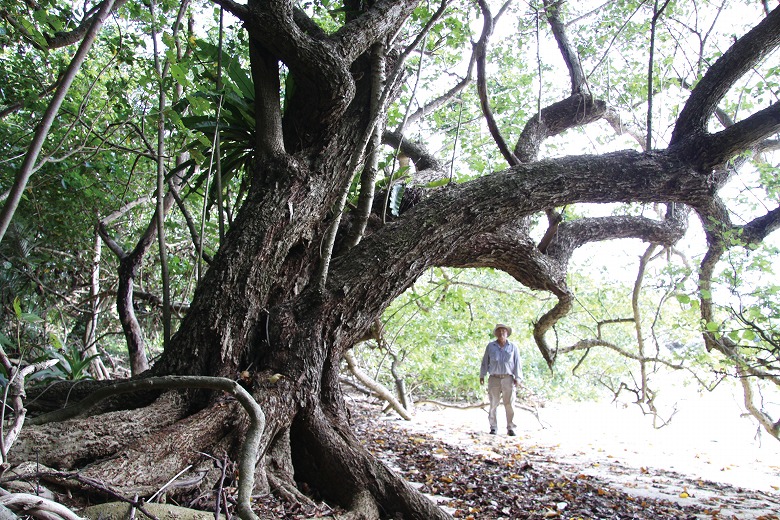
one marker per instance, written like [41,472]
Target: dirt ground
[709,455]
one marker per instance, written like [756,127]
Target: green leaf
[683,298]
[29,317]
[241,79]
[179,74]
[17,308]
[396,194]
[712,326]
[6,341]
[34,33]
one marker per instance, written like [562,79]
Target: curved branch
[548,321]
[576,110]
[61,39]
[759,228]
[447,96]
[764,419]
[480,50]
[483,223]
[590,343]
[574,234]
[250,450]
[30,504]
[375,386]
[406,247]
[15,395]
[732,65]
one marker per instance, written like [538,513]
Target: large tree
[294,285]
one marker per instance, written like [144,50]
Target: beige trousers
[498,386]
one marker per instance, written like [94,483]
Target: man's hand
[481,380]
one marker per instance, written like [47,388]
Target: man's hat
[502,326]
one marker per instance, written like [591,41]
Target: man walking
[502,362]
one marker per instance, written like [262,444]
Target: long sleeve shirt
[499,360]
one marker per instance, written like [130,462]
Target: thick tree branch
[576,110]
[240,11]
[484,233]
[528,188]
[576,233]
[320,71]
[269,139]
[759,228]
[721,76]
[709,151]
[420,156]
[383,18]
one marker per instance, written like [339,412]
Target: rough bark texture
[260,308]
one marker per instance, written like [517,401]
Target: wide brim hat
[502,326]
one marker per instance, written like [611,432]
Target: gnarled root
[330,458]
[65,445]
[279,471]
[117,449]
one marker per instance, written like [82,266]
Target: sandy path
[708,454]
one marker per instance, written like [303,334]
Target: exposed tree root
[363,507]
[175,446]
[330,457]
[37,507]
[279,471]
[326,455]
[168,451]
[63,445]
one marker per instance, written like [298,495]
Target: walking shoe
[511,433]
[492,431]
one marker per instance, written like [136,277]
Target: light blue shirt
[500,360]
